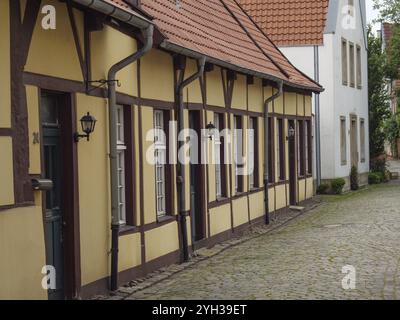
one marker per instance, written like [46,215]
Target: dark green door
[53,219]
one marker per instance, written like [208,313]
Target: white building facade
[340,65]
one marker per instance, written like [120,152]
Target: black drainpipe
[266,155]
[181,167]
[112,105]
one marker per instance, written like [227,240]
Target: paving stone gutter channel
[277,221]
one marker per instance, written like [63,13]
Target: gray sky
[371,13]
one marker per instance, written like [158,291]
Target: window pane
[343,146]
[344,62]
[160,161]
[217,153]
[352,69]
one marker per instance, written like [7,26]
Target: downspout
[317,119]
[266,155]
[112,103]
[181,181]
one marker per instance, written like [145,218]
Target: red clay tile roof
[221,30]
[290,22]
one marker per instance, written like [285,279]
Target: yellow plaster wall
[278,103]
[280,197]
[94,193]
[110,46]
[215,91]
[5,88]
[157,76]
[6,172]
[161,241]
[22,252]
[301,190]
[300,105]
[53,52]
[239,98]
[150,214]
[255,92]
[290,103]
[32,96]
[308,105]
[220,219]
[129,252]
[271,199]
[256,202]
[310,188]
[240,211]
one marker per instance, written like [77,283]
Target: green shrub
[379,165]
[323,188]
[374,178]
[337,185]
[354,178]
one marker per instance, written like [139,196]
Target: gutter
[266,155]
[112,105]
[112,10]
[195,55]
[181,179]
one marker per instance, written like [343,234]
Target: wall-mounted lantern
[88,123]
[291,132]
[211,130]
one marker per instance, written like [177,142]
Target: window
[280,150]
[343,143]
[121,149]
[237,152]
[351,7]
[308,146]
[352,66]
[253,157]
[344,62]
[362,139]
[219,152]
[359,74]
[271,162]
[300,148]
[160,163]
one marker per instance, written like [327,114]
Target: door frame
[292,158]
[70,191]
[200,175]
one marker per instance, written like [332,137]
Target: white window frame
[160,149]
[251,149]
[121,148]
[343,140]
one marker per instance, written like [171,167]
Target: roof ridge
[254,41]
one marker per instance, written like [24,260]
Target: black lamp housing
[211,130]
[88,123]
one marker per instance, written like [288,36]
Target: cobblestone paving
[304,259]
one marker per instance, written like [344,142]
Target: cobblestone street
[304,258]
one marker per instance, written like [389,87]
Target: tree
[379,108]
[389,10]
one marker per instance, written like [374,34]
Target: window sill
[165,218]
[125,229]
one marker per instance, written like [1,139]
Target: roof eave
[196,55]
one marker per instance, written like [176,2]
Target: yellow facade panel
[161,241]
[53,52]
[256,202]
[256,101]
[215,90]
[239,98]
[129,252]
[220,219]
[5,88]
[6,172]
[240,211]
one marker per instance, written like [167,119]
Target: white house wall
[337,100]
